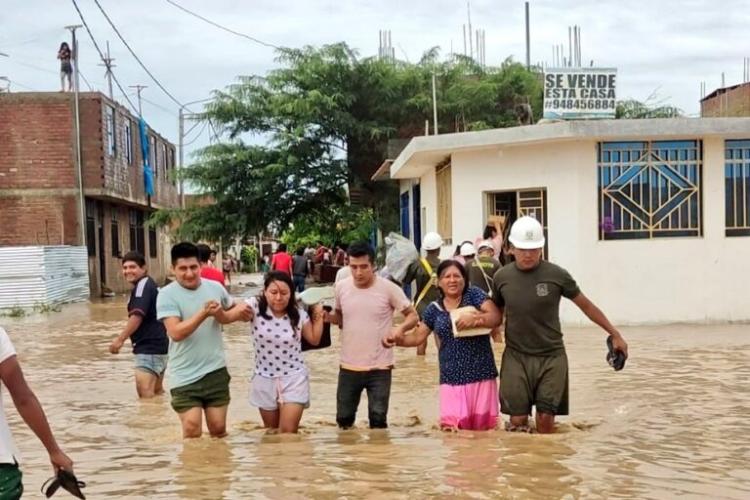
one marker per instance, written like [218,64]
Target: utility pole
[108,73]
[434,105]
[79,169]
[181,142]
[528,39]
[182,155]
[138,89]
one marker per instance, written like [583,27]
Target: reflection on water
[673,423]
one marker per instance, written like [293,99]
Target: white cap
[526,234]
[467,249]
[485,244]
[432,241]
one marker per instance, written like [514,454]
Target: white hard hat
[432,241]
[485,244]
[467,249]
[526,234]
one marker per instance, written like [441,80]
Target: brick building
[39,186]
[727,102]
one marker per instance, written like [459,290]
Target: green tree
[327,116]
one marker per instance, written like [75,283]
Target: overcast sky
[665,45]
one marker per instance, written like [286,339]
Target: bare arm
[240,311]
[336,317]
[312,331]
[597,316]
[31,411]
[180,330]
[411,318]
[134,321]
[411,340]
[487,316]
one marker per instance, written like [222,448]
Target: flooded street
[673,423]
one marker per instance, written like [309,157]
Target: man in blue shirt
[149,339]
[193,311]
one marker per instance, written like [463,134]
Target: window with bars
[152,156]
[736,185]
[136,231]
[111,142]
[152,242]
[650,189]
[444,215]
[91,227]
[128,141]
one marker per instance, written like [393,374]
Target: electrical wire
[101,55]
[196,137]
[122,39]
[229,30]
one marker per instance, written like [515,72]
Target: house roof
[723,90]
[424,152]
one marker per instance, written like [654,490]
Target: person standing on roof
[423,271]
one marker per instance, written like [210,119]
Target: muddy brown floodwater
[672,424]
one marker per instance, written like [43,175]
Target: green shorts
[11,487]
[209,391]
[527,381]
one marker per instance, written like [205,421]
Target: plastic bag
[400,252]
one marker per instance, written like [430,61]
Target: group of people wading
[523,295]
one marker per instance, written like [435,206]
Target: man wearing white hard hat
[535,366]
[423,272]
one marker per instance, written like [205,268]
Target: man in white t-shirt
[32,413]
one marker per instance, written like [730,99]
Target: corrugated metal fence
[42,275]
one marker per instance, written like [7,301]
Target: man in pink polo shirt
[365,304]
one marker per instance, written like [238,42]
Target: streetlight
[181,131]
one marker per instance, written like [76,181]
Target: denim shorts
[152,363]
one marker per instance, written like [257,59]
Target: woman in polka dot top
[280,386]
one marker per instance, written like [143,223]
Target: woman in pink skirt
[468,375]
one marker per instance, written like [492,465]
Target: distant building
[651,216]
[39,188]
[727,101]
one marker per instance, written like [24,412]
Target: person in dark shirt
[299,268]
[66,69]
[534,368]
[148,336]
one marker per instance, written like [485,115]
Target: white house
[652,217]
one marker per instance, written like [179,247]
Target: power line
[14,82]
[157,82]
[101,54]
[229,30]
[85,80]
[196,137]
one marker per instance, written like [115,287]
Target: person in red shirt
[207,270]
[282,261]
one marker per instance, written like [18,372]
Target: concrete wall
[638,281]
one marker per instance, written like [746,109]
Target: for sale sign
[576,93]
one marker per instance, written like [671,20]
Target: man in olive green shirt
[483,267]
[534,368]
[424,275]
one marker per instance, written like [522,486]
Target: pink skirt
[471,407]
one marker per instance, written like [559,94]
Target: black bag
[325,338]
